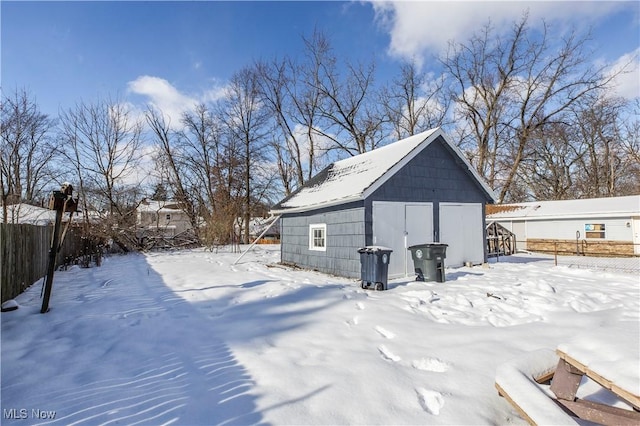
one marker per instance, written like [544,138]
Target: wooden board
[624,394]
[566,381]
[545,378]
[601,413]
[506,396]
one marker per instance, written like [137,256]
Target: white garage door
[461,228]
[401,225]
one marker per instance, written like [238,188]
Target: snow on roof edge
[420,142]
[336,202]
[371,165]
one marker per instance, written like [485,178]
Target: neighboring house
[418,190]
[597,226]
[165,217]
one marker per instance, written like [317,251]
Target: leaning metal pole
[257,239]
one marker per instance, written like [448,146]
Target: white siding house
[162,216]
[597,226]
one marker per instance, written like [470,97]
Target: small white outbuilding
[596,226]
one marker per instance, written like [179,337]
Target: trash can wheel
[379,286]
[363,285]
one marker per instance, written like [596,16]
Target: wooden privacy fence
[24,253]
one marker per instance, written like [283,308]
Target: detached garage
[417,190]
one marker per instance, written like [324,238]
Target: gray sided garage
[417,190]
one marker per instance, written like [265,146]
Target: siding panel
[434,175]
[345,233]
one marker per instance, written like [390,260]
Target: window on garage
[318,236]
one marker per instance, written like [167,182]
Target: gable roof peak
[354,178]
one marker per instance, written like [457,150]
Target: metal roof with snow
[566,209]
[357,177]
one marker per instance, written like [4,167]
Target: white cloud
[214,93]
[167,98]
[163,96]
[627,83]
[418,28]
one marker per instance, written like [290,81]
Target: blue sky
[175,53]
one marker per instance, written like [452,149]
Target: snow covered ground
[188,338]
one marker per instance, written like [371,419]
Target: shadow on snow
[120,347]
[130,352]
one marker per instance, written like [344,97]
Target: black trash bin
[374,267]
[428,261]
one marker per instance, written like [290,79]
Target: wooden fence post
[60,201]
[53,251]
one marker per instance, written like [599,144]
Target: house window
[594,230]
[318,237]
[168,217]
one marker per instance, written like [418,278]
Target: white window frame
[313,239]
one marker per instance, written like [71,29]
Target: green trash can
[428,261]
[374,267]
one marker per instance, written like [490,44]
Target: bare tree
[549,169]
[246,120]
[203,166]
[607,167]
[414,103]
[478,94]
[200,141]
[230,194]
[172,164]
[508,88]
[590,155]
[349,116]
[104,143]
[274,80]
[294,106]
[629,129]
[27,149]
